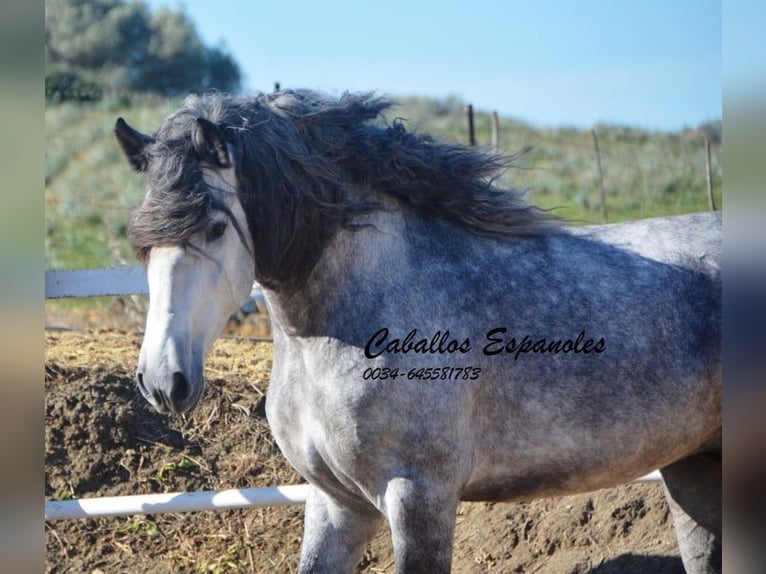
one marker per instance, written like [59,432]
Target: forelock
[178,203]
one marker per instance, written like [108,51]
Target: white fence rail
[95,282]
[175,502]
[126,280]
[132,281]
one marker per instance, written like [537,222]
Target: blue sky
[653,63]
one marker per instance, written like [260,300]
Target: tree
[91,34]
[222,71]
[122,45]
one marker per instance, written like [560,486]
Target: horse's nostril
[140,382]
[180,390]
[160,401]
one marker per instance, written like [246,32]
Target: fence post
[495,132]
[604,218]
[710,198]
[471,133]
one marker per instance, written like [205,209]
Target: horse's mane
[310,163]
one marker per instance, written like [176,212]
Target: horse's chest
[311,444]
[305,424]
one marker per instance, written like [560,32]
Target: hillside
[89,189]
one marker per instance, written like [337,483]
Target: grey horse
[436,337]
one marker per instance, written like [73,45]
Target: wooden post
[600,176]
[495,133]
[471,133]
[710,198]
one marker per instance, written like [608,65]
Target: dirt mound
[102,439]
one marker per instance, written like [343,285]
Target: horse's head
[192,234]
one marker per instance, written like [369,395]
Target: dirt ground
[102,439]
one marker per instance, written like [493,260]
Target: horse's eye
[216,230]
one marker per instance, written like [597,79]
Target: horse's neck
[367,254]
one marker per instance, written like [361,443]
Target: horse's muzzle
[180,398]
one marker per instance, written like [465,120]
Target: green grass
[90,190]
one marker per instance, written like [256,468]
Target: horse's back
[688,240]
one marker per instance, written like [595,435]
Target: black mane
[307,164]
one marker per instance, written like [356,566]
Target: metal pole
[710,198]
[471,133]
[602,191]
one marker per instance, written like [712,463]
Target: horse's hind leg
[334,535]
[422,522]
[693,491]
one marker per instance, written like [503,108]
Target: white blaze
[192,292]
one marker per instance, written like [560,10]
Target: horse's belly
[542,482]
[556,469]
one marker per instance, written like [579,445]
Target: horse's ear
[133,143]
[209,143]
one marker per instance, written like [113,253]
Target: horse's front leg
[334,535]
[422,520]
